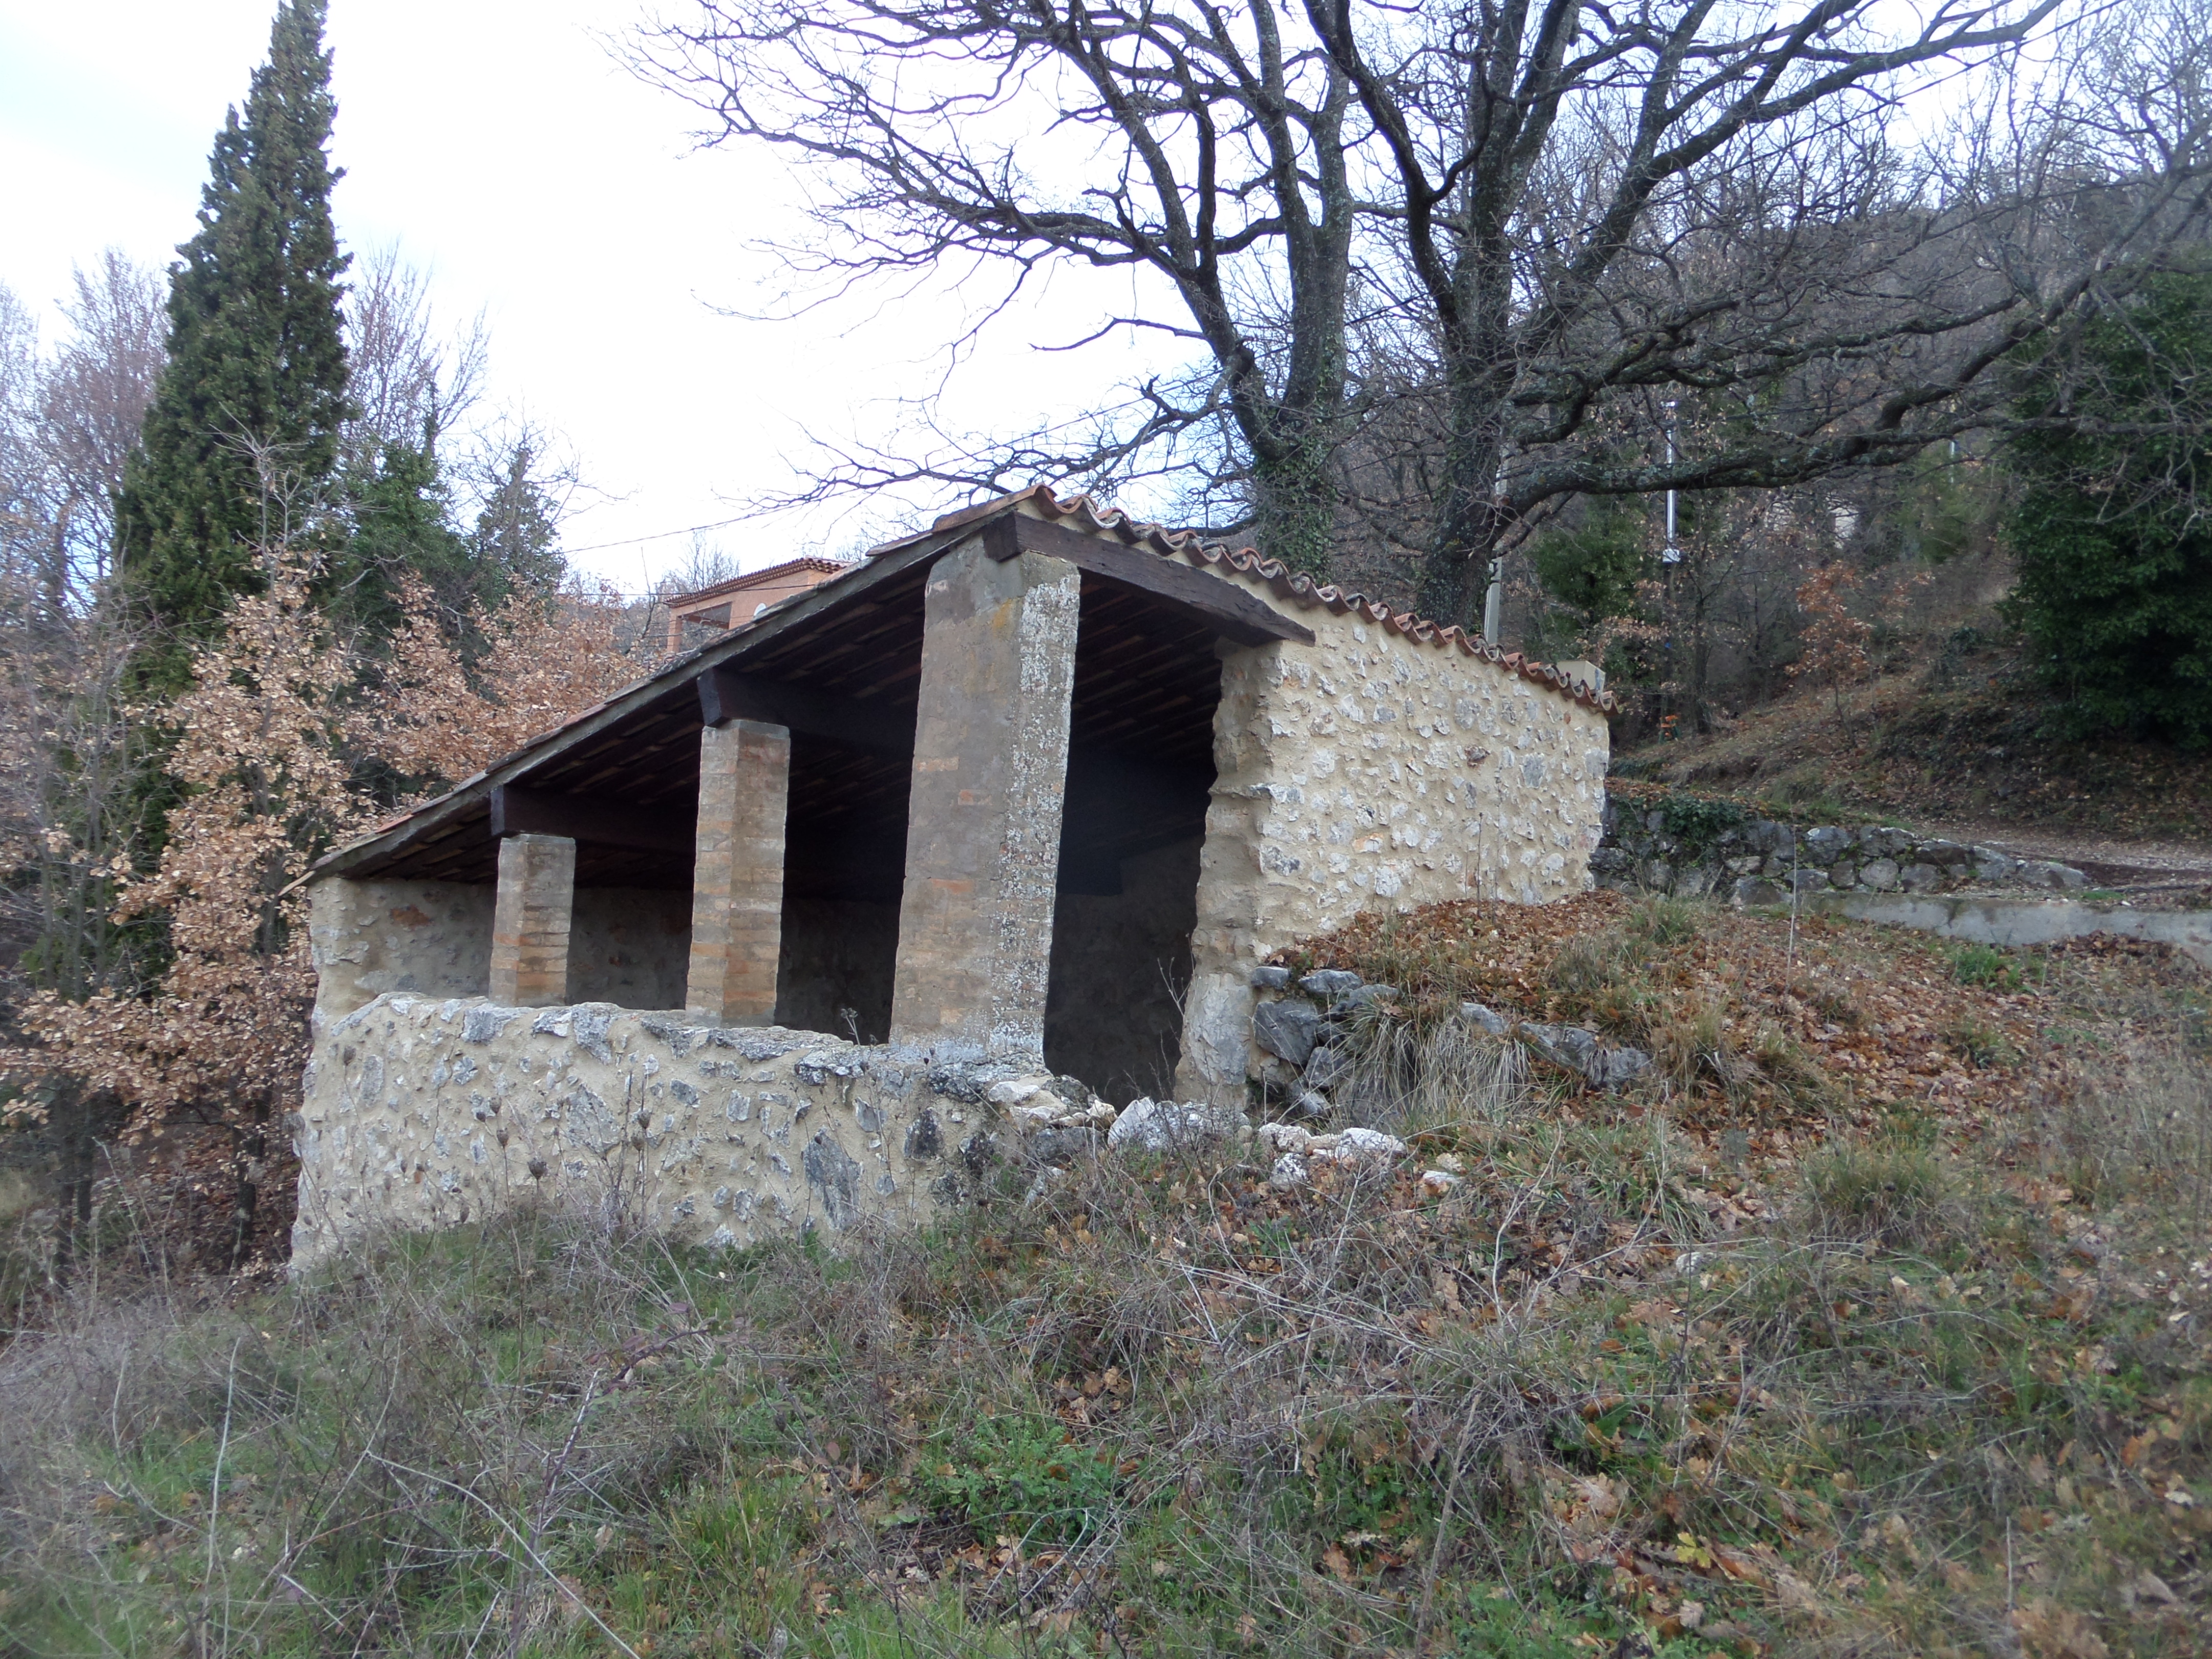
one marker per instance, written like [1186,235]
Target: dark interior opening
[845,833]
[1140,774]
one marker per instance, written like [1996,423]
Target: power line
[660,535]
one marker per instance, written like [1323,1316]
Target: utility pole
[1673,555]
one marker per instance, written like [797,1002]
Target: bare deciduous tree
[1596,213]
[1539,224]
[1199,145]
[407,379]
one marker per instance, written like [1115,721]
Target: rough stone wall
[1369,770]
[421,1112]
[371,937]
[1694,848]
[1120,963]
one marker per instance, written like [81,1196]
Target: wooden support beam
[1231,609]
[593,820]
[726,694]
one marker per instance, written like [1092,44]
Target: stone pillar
[990,771]
[530,924]
[736,874]
[1226,943]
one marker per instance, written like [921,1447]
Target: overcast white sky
[501,146]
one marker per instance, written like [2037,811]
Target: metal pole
[1673,554]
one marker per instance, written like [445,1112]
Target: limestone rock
[1880,875]
[2044,874]
[1920,878]
[1310,1105]
[1575,1050]
[1328,1065]
[1355,1146]
[1826,844]
[1438,1182]
[1568,1046]
[1287,1030]
[1054,1102]
[1366,996]
[1281,1137]
[1611,1067]
[1153,1126]
[1290,1170]
[1271,978]
[1485,1019]
[1330,982]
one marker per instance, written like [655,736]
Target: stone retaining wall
[425,1113]
[1695,849]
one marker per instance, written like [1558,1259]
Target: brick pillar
[737,875]
[530,923]
[990,769]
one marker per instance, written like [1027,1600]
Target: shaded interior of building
[846,683]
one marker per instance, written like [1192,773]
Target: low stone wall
[433,938]
[1695,849]
[2011,923]
[426,1112]
[421,1113]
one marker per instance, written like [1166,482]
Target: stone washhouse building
[1032,793]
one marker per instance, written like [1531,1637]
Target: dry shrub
[2138,1127]
[1409,1081]
[1887,1194]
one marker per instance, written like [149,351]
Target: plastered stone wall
[625,944]
[628,944]
[421,1112]
[371,937]
[1372,771]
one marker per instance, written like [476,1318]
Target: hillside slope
[1874,1321]
[1958,738]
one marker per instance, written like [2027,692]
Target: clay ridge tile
[1278,577]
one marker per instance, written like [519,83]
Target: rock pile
[1696,848]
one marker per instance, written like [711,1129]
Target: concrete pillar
[990,770]
[736,874]
[530,921]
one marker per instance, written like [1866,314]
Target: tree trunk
[74,1152]
[1293,496]
[248,1163]
[1472,515]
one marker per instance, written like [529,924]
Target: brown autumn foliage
[271,748]
[543,660]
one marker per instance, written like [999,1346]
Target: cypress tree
[2114,554]
[257,365]
[402,521]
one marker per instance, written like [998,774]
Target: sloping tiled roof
[1082,513]
[755,577]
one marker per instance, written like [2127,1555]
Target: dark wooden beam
[726,694]
[1231,609]
[593,820]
